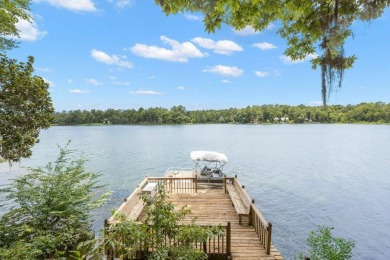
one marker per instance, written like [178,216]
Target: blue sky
[127,54]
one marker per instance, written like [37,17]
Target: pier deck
[214,206]
[210,203]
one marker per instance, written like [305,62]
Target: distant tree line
[272,114]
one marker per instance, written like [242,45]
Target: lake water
[301,176]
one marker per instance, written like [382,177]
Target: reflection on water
[301,176]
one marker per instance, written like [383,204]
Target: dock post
[268,249]
[224,183]
[251,215]
[106,251]
[196,184]
[228,240]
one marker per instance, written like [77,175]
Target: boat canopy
[209,156]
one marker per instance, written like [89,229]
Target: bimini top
[208,156]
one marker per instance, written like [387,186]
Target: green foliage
[20,250]
[362,113]
[308,26]
[161,216]
[53,210]
[314,26]
[25,108]
[126,236]
[25,103]
[324,246]
[11,11]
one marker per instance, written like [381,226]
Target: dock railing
[133,205]
[262,227]
[176,185]
[129,203]
[216,248]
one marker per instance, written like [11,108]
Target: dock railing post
[269,238]
[106,251]
[224,183]
[196,183]
[251,214]
[228,239]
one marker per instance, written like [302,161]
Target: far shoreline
[265,124]
[364,113]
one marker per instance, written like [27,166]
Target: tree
[52,210]
[25,104]
[25,108]
[179,115]
[324,246]
[11,11]
[308,26]
[321,25]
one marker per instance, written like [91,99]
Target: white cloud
[51,83]
[69,81]
[94,82]
[119,83]
[146,92]
[114,81]
[180,52]
[79,91]
[181,88]
[225,70]
[287,60]
[121,3]
[192,17]
[264,46]
[277,72]
[271,26]
[225,81]
[28,31]
[44,69]
[249,30]
[103,57]
[72,5]
[221,47]
[262,74]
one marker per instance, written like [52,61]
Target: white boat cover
[208,156]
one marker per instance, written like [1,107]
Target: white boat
[208,164]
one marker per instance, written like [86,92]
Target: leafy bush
[53,210]
[325,246]
[126,237]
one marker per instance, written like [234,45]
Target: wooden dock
[213,205]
